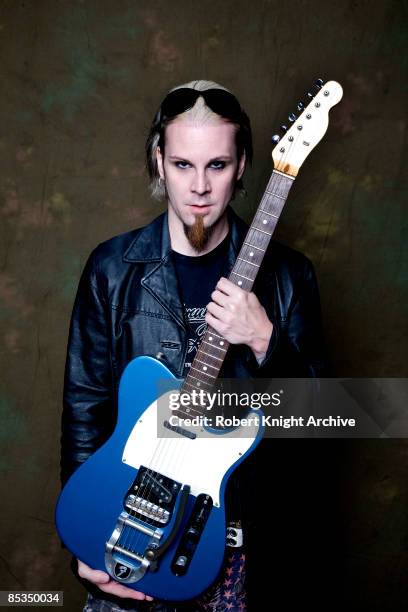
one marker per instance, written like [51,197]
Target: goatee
[197,234]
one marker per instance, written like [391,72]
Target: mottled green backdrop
[80,81]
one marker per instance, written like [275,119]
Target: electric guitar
[148,506]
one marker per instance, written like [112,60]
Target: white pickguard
[200,463]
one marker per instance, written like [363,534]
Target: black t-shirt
[197,277]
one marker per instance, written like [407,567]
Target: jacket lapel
[152,247]
[161,283]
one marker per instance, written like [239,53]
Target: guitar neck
[213,348]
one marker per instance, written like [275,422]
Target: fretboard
[210,355]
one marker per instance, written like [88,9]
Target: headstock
[305,131]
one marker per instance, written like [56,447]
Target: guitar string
[177,449]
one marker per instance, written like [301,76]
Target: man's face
[200,169]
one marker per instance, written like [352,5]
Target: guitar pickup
[192,534]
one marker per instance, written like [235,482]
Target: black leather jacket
[127,304]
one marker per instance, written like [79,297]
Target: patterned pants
[228,593]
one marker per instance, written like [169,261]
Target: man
[151,291]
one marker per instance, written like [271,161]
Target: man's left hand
[239,317]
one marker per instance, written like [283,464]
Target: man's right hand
[105,583]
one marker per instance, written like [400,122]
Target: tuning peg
[300,106]
[319,83]
[284,128]
[275,139]
[310,95]
[292,117]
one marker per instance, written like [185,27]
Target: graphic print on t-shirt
[196,321]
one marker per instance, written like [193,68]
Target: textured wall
[80,81]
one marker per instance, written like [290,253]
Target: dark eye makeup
[216,165]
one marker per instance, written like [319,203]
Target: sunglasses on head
[221,102]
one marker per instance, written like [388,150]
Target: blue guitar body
[150,510]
